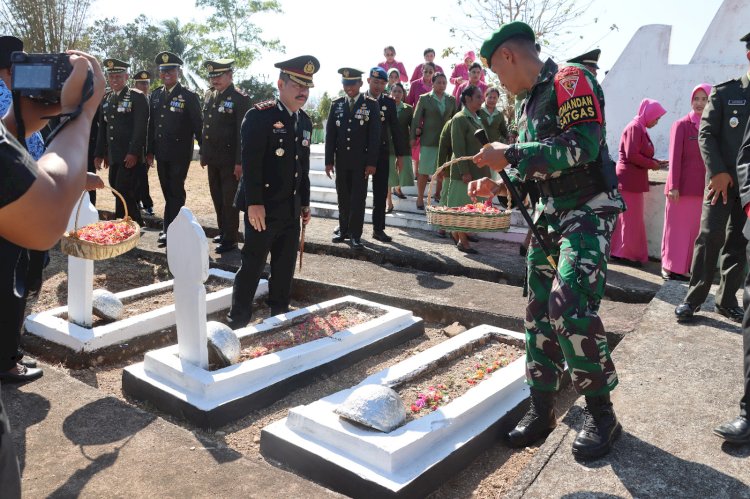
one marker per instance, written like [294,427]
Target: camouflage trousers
[562,322]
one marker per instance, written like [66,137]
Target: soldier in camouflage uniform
[562,149]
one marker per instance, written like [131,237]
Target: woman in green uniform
[432,111]
[397,179]
[463,142]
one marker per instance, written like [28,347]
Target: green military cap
[167,60]
[300,69]
[746,39]
[115,66]
[588,59]
[350,75]
[502,35]
[218,67]
[142,76]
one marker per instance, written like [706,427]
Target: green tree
[235,36]
[258,89]
[136,42]
[46,25]
[189,42]
[324,107]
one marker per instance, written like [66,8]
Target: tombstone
[80,270]
[188,262]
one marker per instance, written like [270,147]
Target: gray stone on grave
[223,344]
[106,305]
[374,406]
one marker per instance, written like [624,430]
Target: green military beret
[218,67]
[502,35]
[588,59]
[115,65]
[746,39]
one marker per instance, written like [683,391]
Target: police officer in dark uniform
[142,82]
[352,148]
[389,130]
[722,219]
[224,107]
[175,119]
[274,190]
[123,118]
[590,60]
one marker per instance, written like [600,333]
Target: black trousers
[281,239]
[223,186]
[745,401]
[172,175]
[14,264]
[720,238]
[380,191]
[351,190]
[125,181]
[142,191]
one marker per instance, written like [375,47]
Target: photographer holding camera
[36,199]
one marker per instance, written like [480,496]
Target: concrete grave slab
[213,398]
[420,455]
[50,326]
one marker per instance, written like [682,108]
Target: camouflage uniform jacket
[560,127]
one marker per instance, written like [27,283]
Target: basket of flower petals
[472,217]
[103,239]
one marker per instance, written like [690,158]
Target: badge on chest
[177,104]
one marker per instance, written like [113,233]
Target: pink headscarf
[649,111]
[695,117]
[471,54]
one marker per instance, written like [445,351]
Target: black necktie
[294,122]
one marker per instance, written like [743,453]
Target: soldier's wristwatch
[510,155]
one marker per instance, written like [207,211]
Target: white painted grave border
[50,326]
[207,390]
[395,459]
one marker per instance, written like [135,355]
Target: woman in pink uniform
[390,62]
[460,73]
[684,190]
[629,243]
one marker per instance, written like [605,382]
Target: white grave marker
[187,255]
[81,271]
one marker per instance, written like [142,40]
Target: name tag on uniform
[737,102]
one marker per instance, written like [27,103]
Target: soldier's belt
[583,182]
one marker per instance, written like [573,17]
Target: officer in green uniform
[224,107]
[174,121]
[142,82]
[590,60]
[352,149]
[722,219]
[274,189]
[123,118]
[560,144]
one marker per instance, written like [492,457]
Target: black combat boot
[538,422]
[600,429]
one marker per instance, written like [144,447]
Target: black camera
[40,76]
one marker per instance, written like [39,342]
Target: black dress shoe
[217,239]
[399,195]
[473,239]
[27,362]
[685,312]
[357,244]
[224,247]
[733,313]
[389,210]
[279,310]
[469,251]
[420,207]
[381,236]
[338,238]
[162,241]
[24,374]
[237,322]
[736,431]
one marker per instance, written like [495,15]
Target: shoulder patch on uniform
[135,90]
[576,100]
[240,91]
[266,104]
[725,83]
[370,98]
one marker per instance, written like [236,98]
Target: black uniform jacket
[722,126]
[222,119]
[175,118]
[123,118]
[275,159]
[390,129]
[353,137]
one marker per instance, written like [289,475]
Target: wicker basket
[465,221]
[71,245]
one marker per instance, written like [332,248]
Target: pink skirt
[415,152]
[629,238]
[682,223]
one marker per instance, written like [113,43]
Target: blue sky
[354,33]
